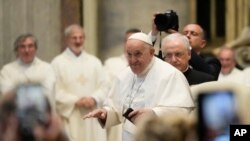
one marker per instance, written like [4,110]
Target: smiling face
[227,60]
[26,50]
[139,55]
[75,39]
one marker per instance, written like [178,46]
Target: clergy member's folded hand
[87,102]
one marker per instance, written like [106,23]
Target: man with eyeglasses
[177,52]
[197,38]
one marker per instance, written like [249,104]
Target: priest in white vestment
[150,86]
[229,72]
[78,87]
[27,68]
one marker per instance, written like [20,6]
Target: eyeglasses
[177,55]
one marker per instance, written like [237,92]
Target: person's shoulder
[164,66]
[115,60]
[10,65]
[92,58]
[42,65]
[247,69]
[125,73]
[112,59]
[202,75]
[237,70]
[41,62]
[57,58]
[212,60]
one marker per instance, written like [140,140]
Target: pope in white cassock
[27,68]
[149,86]
[113,66]
[78,87]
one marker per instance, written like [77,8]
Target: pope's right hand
[97,113]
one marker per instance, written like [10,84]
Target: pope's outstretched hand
[97,113]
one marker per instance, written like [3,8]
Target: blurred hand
[154,28]
[141,113]
[51,132]
[97,113]
[9,129]
[170,31]
[87,102]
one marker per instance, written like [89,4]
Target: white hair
[177,37]
[69,29]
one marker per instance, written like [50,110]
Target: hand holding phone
[129,110]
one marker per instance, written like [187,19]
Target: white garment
[38,71]
[235,76]
[113,66]
[246,76]
[77,77]
[163,88]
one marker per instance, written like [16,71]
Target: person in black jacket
[177,51]
[196,35]
[197,39]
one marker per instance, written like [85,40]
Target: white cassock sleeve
[65,102]
[111,106]
[101,92]
[175,97]
[5,82]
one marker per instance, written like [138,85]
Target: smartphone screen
[32,109]
[216,111]
[31,96]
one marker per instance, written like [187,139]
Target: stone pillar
[90,22]
[237,17]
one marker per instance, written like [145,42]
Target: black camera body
[167,20]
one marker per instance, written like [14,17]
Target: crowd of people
[89,98]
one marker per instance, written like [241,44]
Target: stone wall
[116,16]
[105,20]
[39,17]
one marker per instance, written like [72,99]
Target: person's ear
[203,43]
[152,51]
[189,55]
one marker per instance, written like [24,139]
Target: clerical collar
[147,68]
[27,64]
[72,54]
[186,69]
